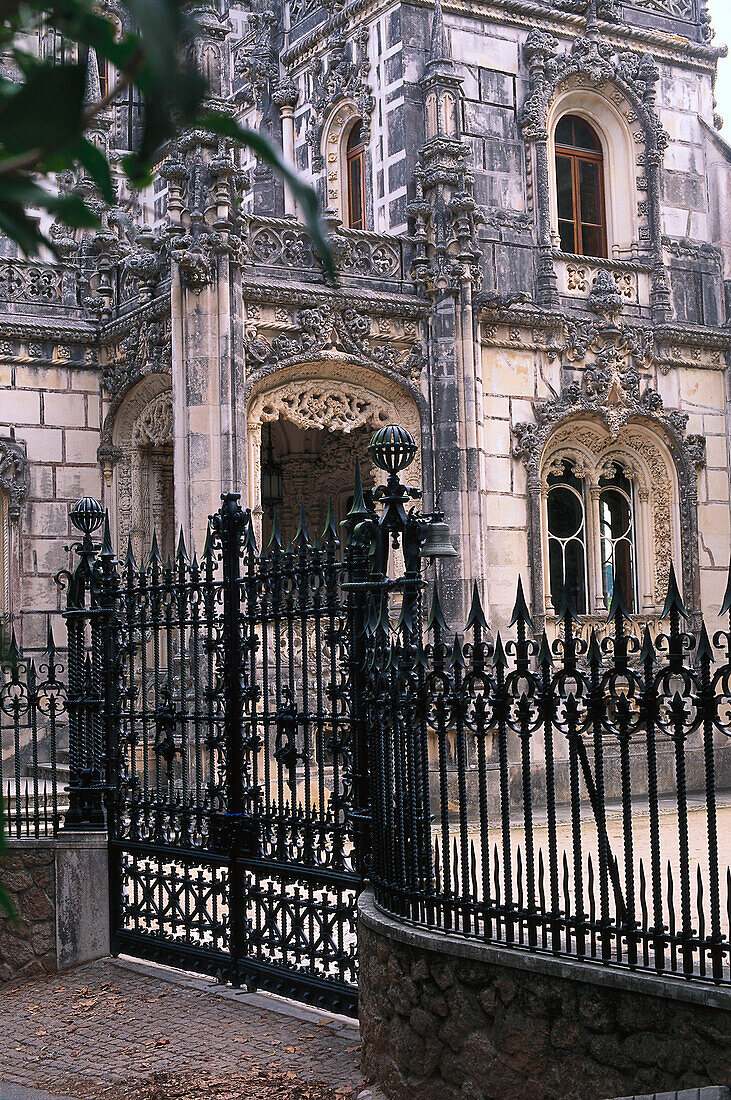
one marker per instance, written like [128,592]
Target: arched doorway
[311,422]
[143,485]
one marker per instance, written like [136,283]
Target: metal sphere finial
[87,514]
[392,448]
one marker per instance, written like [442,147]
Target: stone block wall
[28,943]
[59,888]
[51,404]
[443,1018]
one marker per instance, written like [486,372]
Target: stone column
[201,425]
[475,563]
[447,443]
[285,99]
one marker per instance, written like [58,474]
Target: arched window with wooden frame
[355,166]
[580,196]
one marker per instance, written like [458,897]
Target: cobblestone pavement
[108,1028]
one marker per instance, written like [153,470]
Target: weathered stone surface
[27,875]
[451,1029]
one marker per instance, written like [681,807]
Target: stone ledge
[712,1093]
[459,947]
[61,841]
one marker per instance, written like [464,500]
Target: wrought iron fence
[262,729]
[33,740]
[557,797]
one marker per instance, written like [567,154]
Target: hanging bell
[437,543]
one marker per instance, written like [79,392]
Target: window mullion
[578,234]
[596,583]
[644,551]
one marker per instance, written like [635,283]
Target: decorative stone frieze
[276,242]
[328,332]
[145,348]
[323,404]
[24,281]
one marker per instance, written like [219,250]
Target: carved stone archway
[329,397]
[139,466]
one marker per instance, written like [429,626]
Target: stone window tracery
[609,519]
[567,551]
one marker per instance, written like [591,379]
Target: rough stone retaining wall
[28,945]
[444,1018]
[60,891]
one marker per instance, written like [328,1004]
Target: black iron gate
[211,700]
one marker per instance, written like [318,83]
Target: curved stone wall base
[443,1018]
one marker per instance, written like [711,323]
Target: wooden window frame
[351,157]
[575,157]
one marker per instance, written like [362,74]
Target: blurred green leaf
[303,193]
[47,111]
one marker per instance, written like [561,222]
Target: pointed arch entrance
[312,420]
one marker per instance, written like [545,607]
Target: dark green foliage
[45,114]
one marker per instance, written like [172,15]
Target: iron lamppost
[422,535]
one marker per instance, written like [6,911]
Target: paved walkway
[113,1030]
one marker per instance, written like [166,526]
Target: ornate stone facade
[150,363]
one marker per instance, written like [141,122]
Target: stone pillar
[447,443]
[203,458]
[59,887]
[475,563]
[285,99]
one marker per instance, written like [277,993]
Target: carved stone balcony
[577,273]
[26,285]
[283,248]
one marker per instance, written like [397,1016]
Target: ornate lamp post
[84,685]
[422,535]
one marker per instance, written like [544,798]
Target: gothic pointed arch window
[355,169]
[580,188]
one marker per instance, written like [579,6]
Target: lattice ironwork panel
[177,902]
[304,932]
